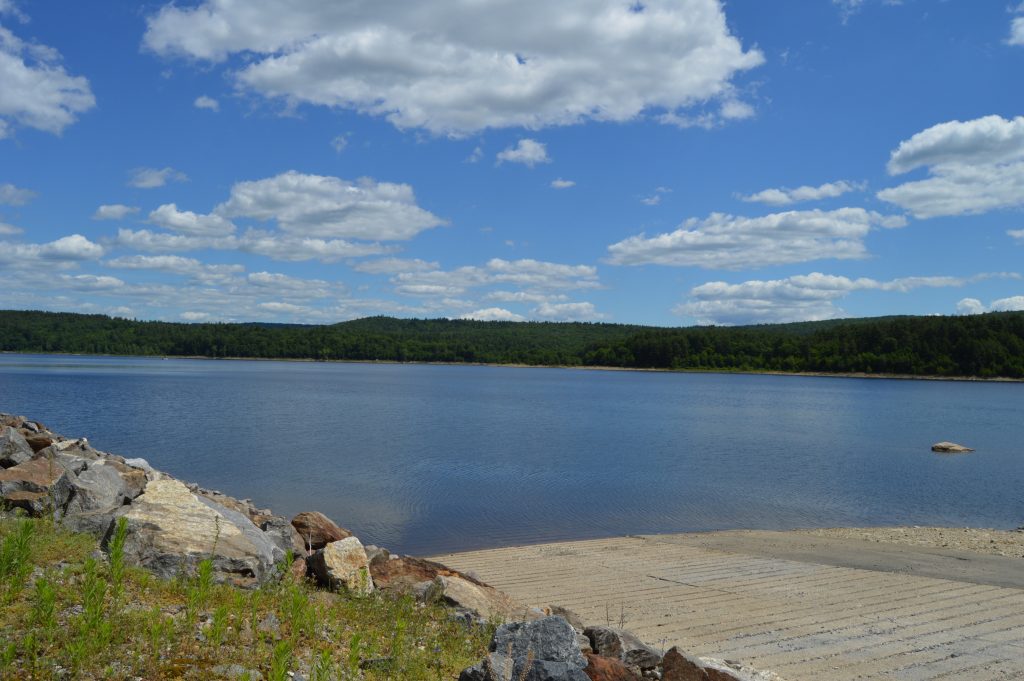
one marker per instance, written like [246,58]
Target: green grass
[68,614]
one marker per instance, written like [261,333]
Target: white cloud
[286,308]
[652,200]
[1016,32]
[204,102]
[286,285]
[525,297]
[114,211]
[527,151]
[175,264]
[68,248]
[734,109]
[975,166]
[730,242]
[534,275]
[186,222]
[476,156]
[395,266]
[562,184]
[269,244]
[494,314]
[14,196]
[7,229]
[454,67]
[90,282]
[568,312]
[808,297]
[784,196]
[324,206]
[192,316]
[1017,234]
[975,306]
[339,143]
[35,90]
[150,178]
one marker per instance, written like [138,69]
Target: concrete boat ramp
[805,607]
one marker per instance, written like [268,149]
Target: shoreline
[765,372]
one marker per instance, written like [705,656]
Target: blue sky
[666,163]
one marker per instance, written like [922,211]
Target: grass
[66,613]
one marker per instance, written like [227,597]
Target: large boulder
[622,645]
[404,574]
[342,564]
[485,601]
[678,666]
[14,449]
[39,486]
[171,530]
[317,530]
[96,487]
[542,650]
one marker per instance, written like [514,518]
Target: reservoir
[427,459]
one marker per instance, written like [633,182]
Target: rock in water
[344,564]
[950,448]
[170,529]
[317,530]
[14,449]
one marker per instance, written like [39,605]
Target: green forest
[985,346]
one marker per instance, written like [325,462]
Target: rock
[608,669]
[950,448]
[485,601]
[678,666]
[342,563]
[39,441]
[298,569]
[542,650]
[140,463]
[13,448]
[270,625]
[38,476]
[622,645]
[237,671]
[98,523]
[36,504]
[281,532]
[402,574]
[96,487]
[170,529]
[317,530]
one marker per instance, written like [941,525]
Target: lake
[425,459]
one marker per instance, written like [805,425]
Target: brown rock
[402,573]
[33,503]
[485,601]
[317,530]
[608,669]
[298,569]
[40,441]
[678,666]
[38,475]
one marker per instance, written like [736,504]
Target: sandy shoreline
[975,540]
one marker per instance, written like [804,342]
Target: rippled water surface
[426,459]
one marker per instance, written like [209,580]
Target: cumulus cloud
[395,266]
[975,306]
[186,222]
[783,196]
[527,151]
[454,68]
[530,274]
[1017,234]
[974,166]
[324,206]
[339,143]
[731,242]
[7,229]
[35,90]
[810,297]
[493,314]
[175,264]
[15,196]
[568,312]
[114,211]
[66,249]
[151,178]
[90,282]
[562,184]
[204,102]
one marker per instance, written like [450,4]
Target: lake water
[425,459]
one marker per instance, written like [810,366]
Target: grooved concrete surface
[801,612]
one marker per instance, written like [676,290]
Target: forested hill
[989,345]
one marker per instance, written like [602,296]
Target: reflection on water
[432,458]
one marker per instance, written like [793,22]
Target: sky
[663,162]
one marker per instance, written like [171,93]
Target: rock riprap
[342,564]
[541,650]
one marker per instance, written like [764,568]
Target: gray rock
[236,671]
[14,449]
[283,535]
[99,522]
[96,487]
[541,650]
[42,486]
[484,600]
[609,642]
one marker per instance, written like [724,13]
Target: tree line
[987,346]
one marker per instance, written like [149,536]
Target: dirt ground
[990,542]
